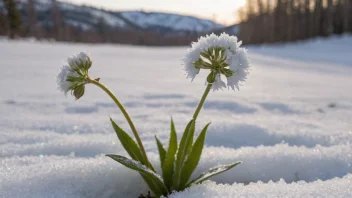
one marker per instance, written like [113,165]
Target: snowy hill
[172,21]
[89,18]
[290,124]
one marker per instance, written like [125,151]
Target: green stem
[200,105]
[129,120]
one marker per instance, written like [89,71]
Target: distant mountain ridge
[90,18]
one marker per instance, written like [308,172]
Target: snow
[290,124]
[109,19]
[173,21]
[332,188]
[40,5]
[78,24]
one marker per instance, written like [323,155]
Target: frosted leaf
[135,165]
[212,172]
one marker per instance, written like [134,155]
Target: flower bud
[78,92]
[211,77]
[80,61]
[85,60]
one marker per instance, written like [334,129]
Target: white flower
[222,55]
[75,76]
[61,79]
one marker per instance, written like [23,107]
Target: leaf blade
[168,166]
[128,143]
[162,151]
[183,150]
[212,172]
[193,158]
[153,179]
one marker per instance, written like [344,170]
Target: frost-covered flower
[74,77]
[222,55]
[81,60]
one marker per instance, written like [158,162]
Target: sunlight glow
[221,11]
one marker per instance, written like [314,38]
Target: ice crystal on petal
[73,61]
[240,68]
[61,79]
[84,58]
[218,84]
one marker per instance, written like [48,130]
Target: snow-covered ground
[291,124]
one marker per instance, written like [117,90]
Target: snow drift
[290,124]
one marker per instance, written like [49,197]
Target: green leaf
[153,180]
[78,92]
[226,72]
[152,186]
[217,52]
[210,51]
[207,65]
[168,166]
[162,151]
[205,55]
[183,150]
[128,143]
[212,172]
[193,158]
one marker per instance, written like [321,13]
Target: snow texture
[290,124]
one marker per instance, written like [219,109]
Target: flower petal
[218,84]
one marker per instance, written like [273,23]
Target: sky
[220,11]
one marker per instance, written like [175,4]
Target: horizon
[219,12]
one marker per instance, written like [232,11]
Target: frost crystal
[61,79]
[218,84]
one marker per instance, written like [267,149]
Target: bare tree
[346,20]
[3,22]
[291,20]
[269,22]
[317,18]
[13,18]
[32,18]
[57,21]
[329,18]
[308,21]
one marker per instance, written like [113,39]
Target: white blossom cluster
[73,75]
[236,58]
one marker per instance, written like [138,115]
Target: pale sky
[221,11]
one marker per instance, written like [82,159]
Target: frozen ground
[291,124]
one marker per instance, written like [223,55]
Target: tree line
[269,21]
[261,21]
